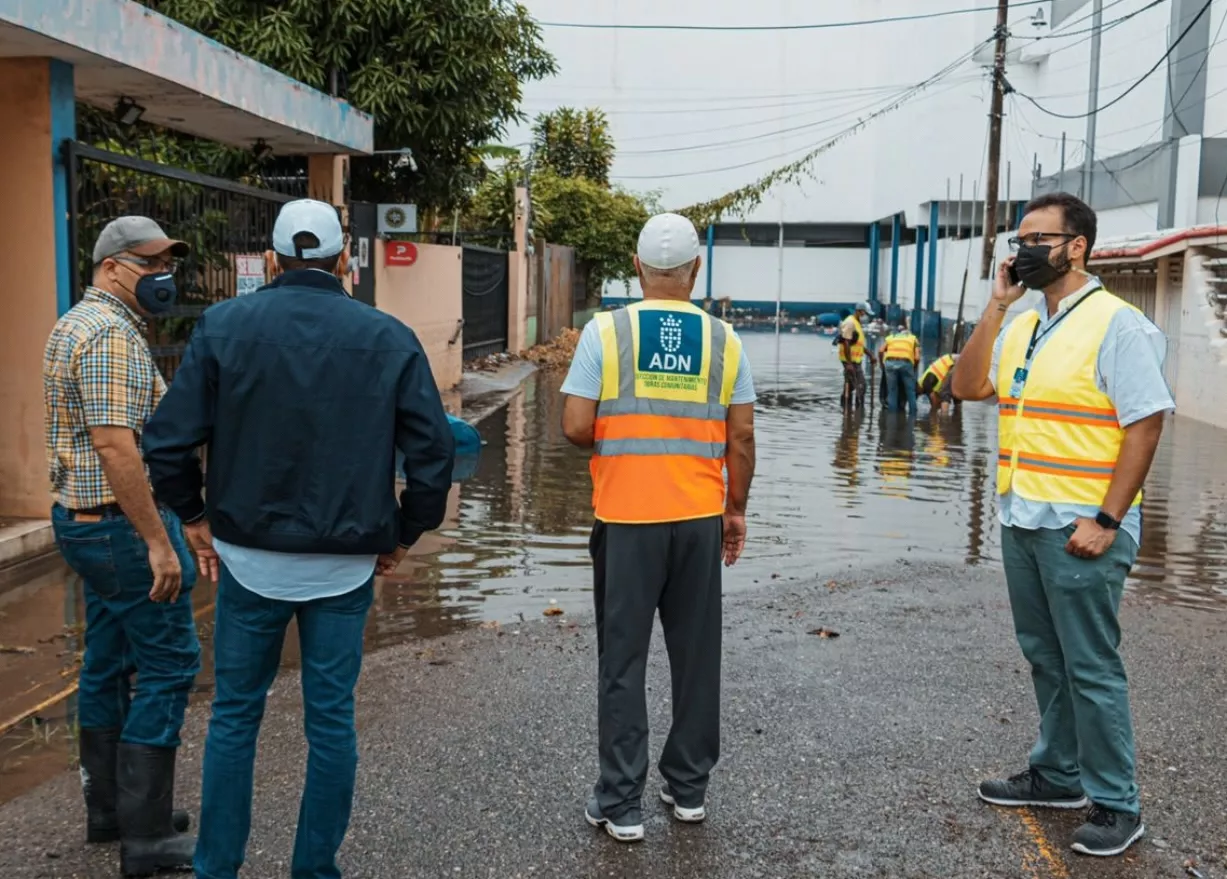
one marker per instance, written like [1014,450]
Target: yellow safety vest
[857,347]
[667,376]
[902,346]
[939,369]
[1059,437]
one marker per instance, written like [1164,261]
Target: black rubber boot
[146,788]
[99,753]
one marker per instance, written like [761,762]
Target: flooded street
[833,493]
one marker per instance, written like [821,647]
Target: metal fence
[485,282]
[229,226]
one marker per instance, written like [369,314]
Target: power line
[769,135]
[780,27]
[901,99]
[1128,91]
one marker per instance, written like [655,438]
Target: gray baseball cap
[139,236]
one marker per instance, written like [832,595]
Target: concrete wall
[1200,368]
[28,301]
[428,297]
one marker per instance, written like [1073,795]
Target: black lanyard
[1036,335]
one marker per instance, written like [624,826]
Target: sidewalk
[848,757]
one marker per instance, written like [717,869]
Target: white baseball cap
[668,241]
[314,217]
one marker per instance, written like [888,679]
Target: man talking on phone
[1081,400]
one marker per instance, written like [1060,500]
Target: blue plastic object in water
[468,440]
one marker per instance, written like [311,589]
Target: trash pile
[555,354]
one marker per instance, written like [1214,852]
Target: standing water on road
[835,493]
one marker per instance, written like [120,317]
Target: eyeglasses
[169,266]
[1037,238]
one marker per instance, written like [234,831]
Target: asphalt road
[848,757]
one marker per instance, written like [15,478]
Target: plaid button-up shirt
[97,372]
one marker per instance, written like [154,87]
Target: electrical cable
[894,19]
[901,99]
[1172,48]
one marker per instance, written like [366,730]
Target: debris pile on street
[557,353]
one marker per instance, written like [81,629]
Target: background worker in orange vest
[1081,399]
[661,391]
[936,380]
[900,358]
[852,355]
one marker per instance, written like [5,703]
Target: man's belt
[96,514]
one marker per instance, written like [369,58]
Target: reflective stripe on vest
[1060,439]
[668,371]
[857,347]
[939,369]
[902,346]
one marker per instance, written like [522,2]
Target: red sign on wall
[400,253]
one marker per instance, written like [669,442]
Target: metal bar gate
[485,282]
[229,226]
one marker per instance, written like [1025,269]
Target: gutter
[1170,243]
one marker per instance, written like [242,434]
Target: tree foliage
[440,77]
[572,201]
[574,143]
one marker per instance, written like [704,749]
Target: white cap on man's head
[668,241]
[316,218]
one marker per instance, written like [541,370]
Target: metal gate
[1137,286]
[229,226]
[485,284]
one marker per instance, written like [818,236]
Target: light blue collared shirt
[584,378]
[294,576]
[1130,371]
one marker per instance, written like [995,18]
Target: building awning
[1149,246]
[183,80]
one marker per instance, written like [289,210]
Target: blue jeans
[126,632]
[900,374]
[248,636]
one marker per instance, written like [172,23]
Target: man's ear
[272,266]
[343,265]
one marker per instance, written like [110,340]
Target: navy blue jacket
[302,396]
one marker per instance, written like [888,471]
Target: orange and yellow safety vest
[902,346]
[853,352]
[668,370]
[939,369]
[1058,431]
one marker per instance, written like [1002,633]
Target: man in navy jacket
[302,396]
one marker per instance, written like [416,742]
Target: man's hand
[200,538]
[388,562]
[1090,540]
[167,572]
[734,537]
[1004,292]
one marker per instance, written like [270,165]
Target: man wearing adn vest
[900,357]
[661,392]
[935,382]
[1081,400]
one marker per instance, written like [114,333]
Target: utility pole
[1092,109]
[994,143]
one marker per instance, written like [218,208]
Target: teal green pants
[1065,615]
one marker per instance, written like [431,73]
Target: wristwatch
[1103,520]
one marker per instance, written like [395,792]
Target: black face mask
[1035,271]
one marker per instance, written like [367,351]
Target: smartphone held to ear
[1013,275]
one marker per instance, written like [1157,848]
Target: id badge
[1020,380]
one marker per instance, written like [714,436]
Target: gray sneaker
[628,828]
[681,813]
[1028,788]
[1108,833]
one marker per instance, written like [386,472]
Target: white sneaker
[626,832]
[681,813]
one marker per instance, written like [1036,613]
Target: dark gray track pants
[636,569]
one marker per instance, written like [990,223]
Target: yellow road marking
[1048,854]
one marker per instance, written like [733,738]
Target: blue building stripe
[63,128]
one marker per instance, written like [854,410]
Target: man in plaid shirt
[100,387]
